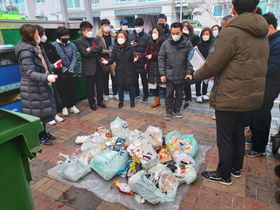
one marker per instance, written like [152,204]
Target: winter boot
[157,102]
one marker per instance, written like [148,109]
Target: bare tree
[208,7]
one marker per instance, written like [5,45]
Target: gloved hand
[58,64]
[67,72]
[52,77]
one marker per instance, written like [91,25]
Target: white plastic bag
[119,128]
[94,141]
[154,136]
[140,184]
[72,169]
[189,175]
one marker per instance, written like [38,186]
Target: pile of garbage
[154,165]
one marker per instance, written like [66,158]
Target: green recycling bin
[19,141]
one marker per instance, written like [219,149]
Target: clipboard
[196,58]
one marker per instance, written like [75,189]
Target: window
[220,10]
[2,6]
[95,1]
[73,4]
[119,1]
[20,4]
[40,1]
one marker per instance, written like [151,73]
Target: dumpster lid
[7,48]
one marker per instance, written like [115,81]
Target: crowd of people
[240,59]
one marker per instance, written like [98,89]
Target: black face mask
[64,40]
[162,25]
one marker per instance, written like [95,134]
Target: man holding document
[238,60]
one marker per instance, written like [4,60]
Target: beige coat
[238,61]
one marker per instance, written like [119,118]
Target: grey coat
[90,59]
[173,60]
[36,95]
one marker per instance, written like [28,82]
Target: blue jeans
[131,89]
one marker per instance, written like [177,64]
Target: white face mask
[121,40]
[154,36]
[124,28]
[106,29]
[44,38]
[186,32]
[215,33]
[89,34]
[205,38]
[38,40]
[176,38]
[138,30]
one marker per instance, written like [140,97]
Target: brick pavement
[254,190]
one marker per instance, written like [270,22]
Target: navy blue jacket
[143,39]
[272,86]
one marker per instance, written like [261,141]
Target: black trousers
[66,87]
[198,88]
[174,104]
[144,81]
[230,141]
[259,121]
[91,82]
[44,132]
[106,84]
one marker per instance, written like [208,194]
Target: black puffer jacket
[125,70]
[143,39]
[36,96]
[173,60]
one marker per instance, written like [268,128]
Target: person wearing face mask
[162,21]
[188,32]
[123,55]
[124,26]
[215,30]
[66,84]
[53,57]
[152,50]
[37,76]
[139,40]
[204,47]
[174,69]
[90,49]
[107,37]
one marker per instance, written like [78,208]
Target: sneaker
[52,122]
[116,97]
[236,173]
[106,98]
[199,99]
[46,141]
[65,111]
[50,136]
[178,114]
[214,117]
[58,118]
[205,97]
[214,176]
[168,117]
[137,97]
[74,109]
[251,153]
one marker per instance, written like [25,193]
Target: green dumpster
[19,141]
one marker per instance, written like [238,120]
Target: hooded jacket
[36,95]
[238,59]
[173,60]
[272,87]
